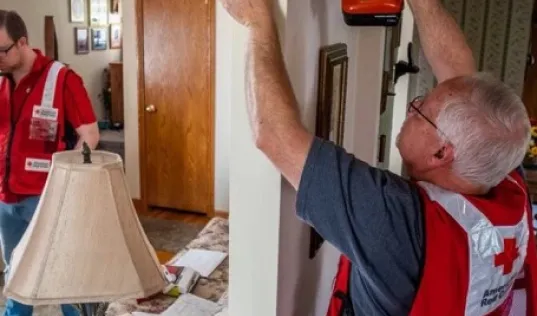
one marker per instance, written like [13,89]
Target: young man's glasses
[5,51]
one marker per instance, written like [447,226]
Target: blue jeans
[14,219]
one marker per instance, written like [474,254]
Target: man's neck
[449,181]
[27,62]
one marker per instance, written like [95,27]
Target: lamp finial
[86,152]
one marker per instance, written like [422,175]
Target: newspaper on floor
[188,305]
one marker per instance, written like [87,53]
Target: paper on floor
[202,261]
[188,305]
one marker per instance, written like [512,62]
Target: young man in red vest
[38,97]
[457,239]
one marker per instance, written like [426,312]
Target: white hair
[489,129]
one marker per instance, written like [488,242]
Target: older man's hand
[250,13]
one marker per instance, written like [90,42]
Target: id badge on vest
[44,123]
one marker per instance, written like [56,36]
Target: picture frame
[331,106]
[114,16]
[82,40]
[98,12]
[115,6]
[382,149]
[77,11]
[99,38]
[116,36]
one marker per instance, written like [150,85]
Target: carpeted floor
[165,235]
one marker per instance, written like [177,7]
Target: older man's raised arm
[442,40]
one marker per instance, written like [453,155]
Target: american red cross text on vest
[471,272]
[508,256]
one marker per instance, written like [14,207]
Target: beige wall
[222,102]
[270,273]
[401,89]
[90,67]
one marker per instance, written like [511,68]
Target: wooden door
[530,82]
[178,122]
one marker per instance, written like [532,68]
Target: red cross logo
[508,256]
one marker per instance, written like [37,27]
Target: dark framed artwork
[82,40]
[114,16]
[116,36]
[115,6]
[99,38]
[331,102]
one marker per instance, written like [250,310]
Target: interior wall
[305,285]
[255,190]
[222,103]
[90,67]
[264,224]
[401,90]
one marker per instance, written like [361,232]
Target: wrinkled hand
[249,12]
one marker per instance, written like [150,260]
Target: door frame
[141,102]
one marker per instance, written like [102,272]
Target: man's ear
[444,156]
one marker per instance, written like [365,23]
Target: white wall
[223,109]
[222,103]
[130,97]
[90,67]
[400,101]
[270,273]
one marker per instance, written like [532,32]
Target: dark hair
[14,25]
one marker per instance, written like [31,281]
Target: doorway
[176,110]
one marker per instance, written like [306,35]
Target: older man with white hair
[456,238]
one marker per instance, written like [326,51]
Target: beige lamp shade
[85,243]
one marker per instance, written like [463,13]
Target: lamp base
[92,309]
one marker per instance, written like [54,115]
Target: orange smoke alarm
[372,12]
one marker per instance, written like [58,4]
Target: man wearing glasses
[38,98]
[454,240]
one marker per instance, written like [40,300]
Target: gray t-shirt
[373,217]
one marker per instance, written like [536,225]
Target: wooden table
[164,256]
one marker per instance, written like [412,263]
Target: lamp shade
[85,243]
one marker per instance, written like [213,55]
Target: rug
[167,235]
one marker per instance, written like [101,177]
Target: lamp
[85,243]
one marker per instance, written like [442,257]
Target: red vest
[30,135]
[475,265]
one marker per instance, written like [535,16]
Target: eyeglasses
[5,51]
[415,105]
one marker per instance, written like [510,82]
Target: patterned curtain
[498,31]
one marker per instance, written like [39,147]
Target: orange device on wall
[372,12]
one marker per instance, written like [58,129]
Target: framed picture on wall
[331,99]
[116,36]
[333,65]
[115,12]
[115,6]
[77,11]
[99,38]
[98,12]
[82,40]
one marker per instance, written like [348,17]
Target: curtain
[498,31]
